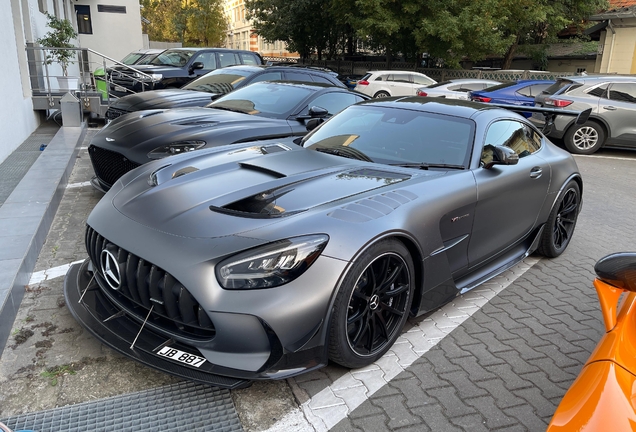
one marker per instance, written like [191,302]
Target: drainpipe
[609,59]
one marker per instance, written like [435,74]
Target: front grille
[109,165]
[143,286]
[113,113]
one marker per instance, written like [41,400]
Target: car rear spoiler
[549,114]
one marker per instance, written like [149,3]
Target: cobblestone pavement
[505,367]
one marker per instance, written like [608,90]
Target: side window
[334,102]
[208,59]
[321,79]
[381,78]
[249,59]
[473,86]
[298,76]
[525,91]
[600,91]
[421,80]
[456,87]
[521,138]
[402,78]
[623,92]
[228,59]
[268,76]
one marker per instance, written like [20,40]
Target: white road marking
[78,185]
[51,273]
[334,403]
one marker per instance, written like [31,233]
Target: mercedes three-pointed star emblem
[110,269]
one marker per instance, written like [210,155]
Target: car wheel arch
[593,118]
[416,256]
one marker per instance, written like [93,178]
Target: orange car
[603,397]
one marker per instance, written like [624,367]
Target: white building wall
[114,34]
[18,119]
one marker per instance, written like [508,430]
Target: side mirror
[195,66]
[318,112]
[313,123]
[500,155]
[505,156]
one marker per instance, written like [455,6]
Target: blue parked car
[521,92]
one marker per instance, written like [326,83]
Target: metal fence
[362,67]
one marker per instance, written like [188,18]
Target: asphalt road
[499,359]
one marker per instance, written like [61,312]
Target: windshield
[172,58]
[396,136]
[267,99]
[500,86]
[132,58]
[219,81]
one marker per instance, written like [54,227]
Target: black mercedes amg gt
[266,259]
[262,110]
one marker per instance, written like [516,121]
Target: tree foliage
[59,36]
[451,30]
[191,22]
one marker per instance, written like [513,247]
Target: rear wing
[549,114]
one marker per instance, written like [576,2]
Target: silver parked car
[456,88]
[613,102]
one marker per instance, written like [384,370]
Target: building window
[84,25]
[42,6]
[111,9]
[580,70]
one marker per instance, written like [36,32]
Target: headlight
[271,265]
[152,77]
[176,148]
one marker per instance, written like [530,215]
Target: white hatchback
[392,83]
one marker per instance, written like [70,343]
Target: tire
[381,94]
[372,305]
[559,227]
[584,139]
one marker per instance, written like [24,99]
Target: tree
[59,37]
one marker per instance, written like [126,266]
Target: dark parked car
[212,85]
[177,67]
[259,111]
[521,92]
[265,260]
[611,124]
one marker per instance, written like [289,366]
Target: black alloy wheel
[560,225]
[371,310]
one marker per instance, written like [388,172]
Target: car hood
[162,99]
[232,191]
[136,134]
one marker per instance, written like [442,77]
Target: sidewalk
[31,185]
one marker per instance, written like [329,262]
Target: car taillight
[481,99]
[363,82]
[559,103]
[422,93]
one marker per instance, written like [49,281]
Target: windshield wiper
[348,152]
[426,166]
[229,109]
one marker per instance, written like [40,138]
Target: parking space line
[51,273]
[334,403]
[606,157]
[78,185]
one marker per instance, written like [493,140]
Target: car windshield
[132,58]
[500,86]
[396,136]
[266,99]
[558,85]
[219,81]
[439,84]
[172,58]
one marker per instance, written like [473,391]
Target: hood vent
[262,205]
[201,123]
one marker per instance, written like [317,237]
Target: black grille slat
[175,309]
[113,113]
[187,306]
[109,165]
[131,276]
[143,270]
[155,279]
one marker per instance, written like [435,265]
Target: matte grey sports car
[263,110]
[265,260]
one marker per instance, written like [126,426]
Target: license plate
[120,88]
[181,357]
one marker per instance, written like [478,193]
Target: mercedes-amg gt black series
[262,110]
[267,259]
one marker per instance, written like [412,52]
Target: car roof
[454,107]
[394,71]
[314,85]
[599,78]
[463,80]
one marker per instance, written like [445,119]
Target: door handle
[536,172]
[610,108]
